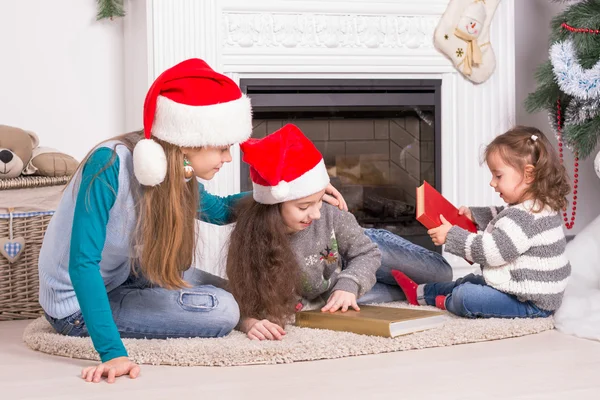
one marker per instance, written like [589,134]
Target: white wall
[61,72]
[532,50]
[138,69]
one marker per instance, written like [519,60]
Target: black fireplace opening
[380,139]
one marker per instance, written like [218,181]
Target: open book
[373,320]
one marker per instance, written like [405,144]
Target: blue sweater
[86,249]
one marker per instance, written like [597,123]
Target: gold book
[373,320]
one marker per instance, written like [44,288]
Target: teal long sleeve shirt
[93,204]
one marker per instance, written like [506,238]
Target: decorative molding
[327,31]
[366,7]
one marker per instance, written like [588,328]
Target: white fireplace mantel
[383,39]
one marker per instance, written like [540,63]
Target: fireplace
[379,139]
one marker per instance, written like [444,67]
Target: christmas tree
[569,84]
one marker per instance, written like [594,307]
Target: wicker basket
[19,283]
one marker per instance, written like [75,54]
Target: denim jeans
[470,297]
[141,310]
[418,263]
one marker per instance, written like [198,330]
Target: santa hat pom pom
[280,191]
[149,162]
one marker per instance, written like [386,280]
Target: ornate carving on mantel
[327,31]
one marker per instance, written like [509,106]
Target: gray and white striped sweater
[521,252]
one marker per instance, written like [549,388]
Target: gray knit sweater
[320,249]
[521,253]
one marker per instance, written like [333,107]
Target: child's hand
[335,198]
[263,330]
[111,369]
[340,299]
[438,235]
[466,211]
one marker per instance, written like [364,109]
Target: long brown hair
[166,214]
[519,147]
[262,268]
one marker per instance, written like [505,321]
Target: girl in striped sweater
[520,247]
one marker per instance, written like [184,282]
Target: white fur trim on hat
[149,162]
[197,126]
[310,183]
[281,190]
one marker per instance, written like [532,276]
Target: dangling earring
[188,171]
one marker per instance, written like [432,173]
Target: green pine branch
[582,15]
[583,137]
[547,91]
[586,14]
[110,9]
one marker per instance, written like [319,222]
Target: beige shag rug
[300,344]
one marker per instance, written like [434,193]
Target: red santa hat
[284,166]
[189,105]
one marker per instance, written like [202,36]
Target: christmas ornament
[463,35]
[556,119]
[568,225]
[188,170]
[570,28]
[570,75]
[579,111]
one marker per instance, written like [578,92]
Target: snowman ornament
[463,36]
[469,29]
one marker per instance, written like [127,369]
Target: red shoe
[408,286]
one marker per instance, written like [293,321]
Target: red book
[430,204]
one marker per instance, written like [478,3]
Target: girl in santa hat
[113,257]
[289,250]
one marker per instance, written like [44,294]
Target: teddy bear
[20,155]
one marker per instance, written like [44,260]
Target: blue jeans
[141,310]
[470,297]
[418,263]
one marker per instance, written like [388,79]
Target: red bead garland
[568,225]
[580,30]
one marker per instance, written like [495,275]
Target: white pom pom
[597,164]
[149,162]
[280,191]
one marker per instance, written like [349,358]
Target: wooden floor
[545,366]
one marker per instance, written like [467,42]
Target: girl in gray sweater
[289,251]
[521,247]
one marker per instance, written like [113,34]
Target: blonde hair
[523,145]
[166,216]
